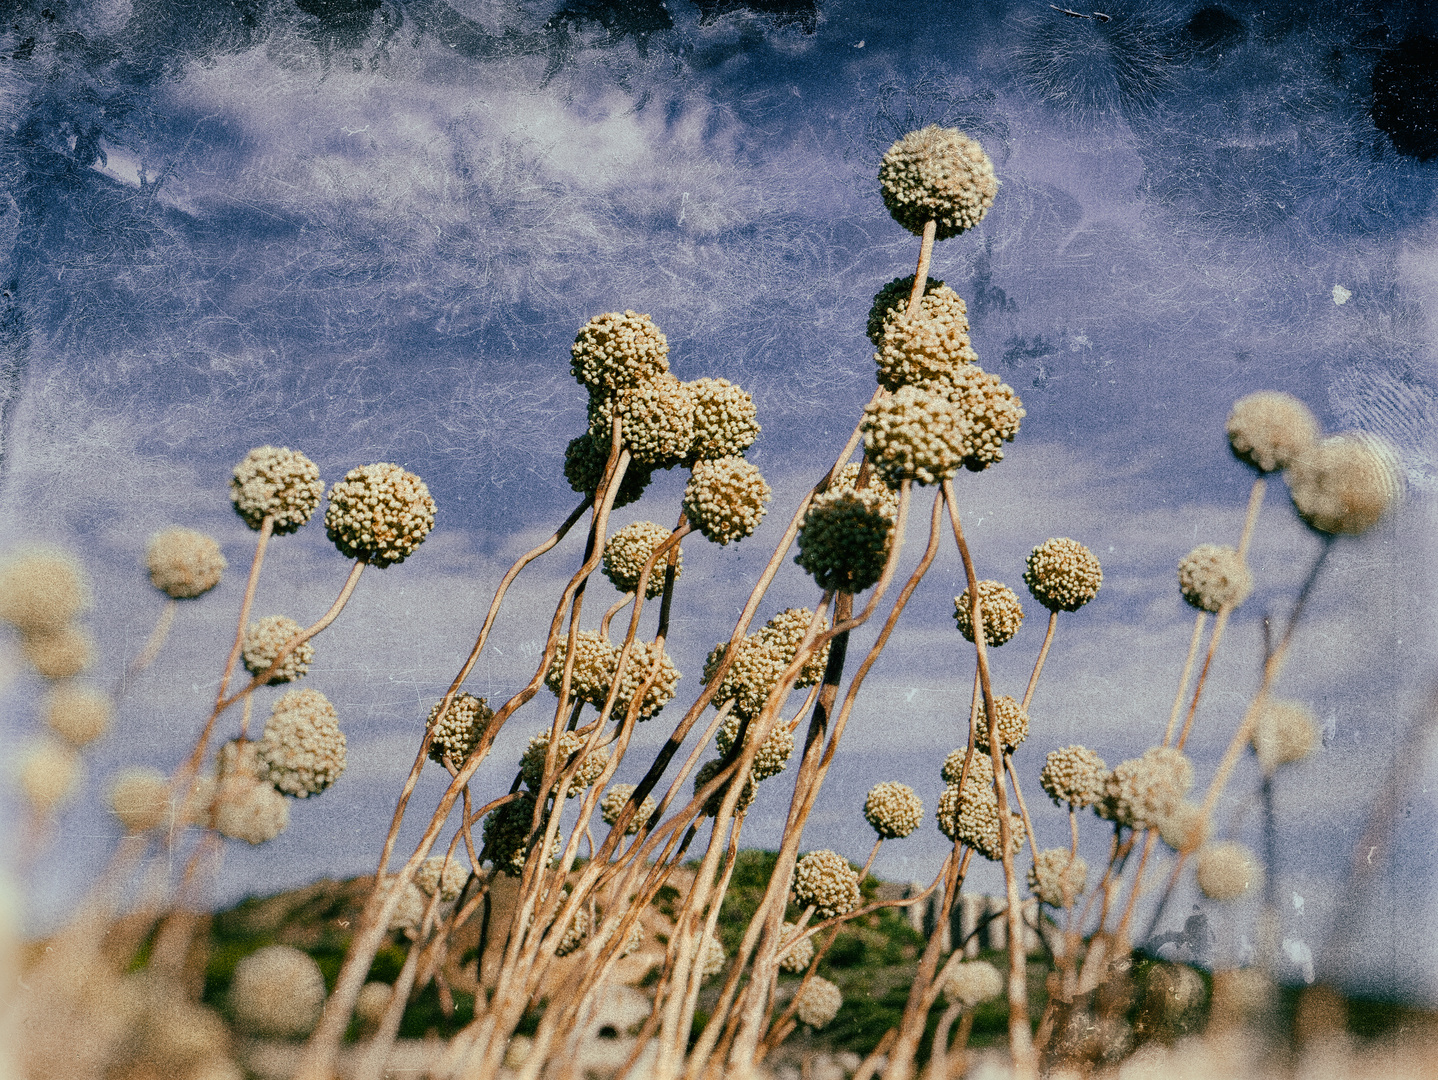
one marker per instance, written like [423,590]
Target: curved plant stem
[1199,622]
[1039,663]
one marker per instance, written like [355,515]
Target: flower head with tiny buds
[626,552]
[937,174]
[893,809]
[275,481]
[506,835]
[772,757]
[893,299]
[724,420]
[614,351]
[595,662]
[656,420]
[914,434]
[981,768]
[1058,876]
[61,655]
[1062,574]
[1226,871]
[989,414]
[1002,613]
[973,818]
[263,642]
[1212,576]
[459,732]
[183,563]
[794,958]
[931,347]
[614,802]
[1184,827]
[973,983]
[302,750]
[844,540]
[818,1003]
[725,499]
[77,714]
[140,798]
[1344,485]
[379,513]
[825,880]
[1074,775]
[277,992]
[449,879]
[1270,430]
[584,462]
[1142,791]
[531,765]
[250,810]
[712,805]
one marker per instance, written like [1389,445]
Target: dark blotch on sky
[1405,96]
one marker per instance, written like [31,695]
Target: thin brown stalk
[147,655]
[1199,622]
[1039,663]
[921,273]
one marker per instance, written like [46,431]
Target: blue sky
[371,230]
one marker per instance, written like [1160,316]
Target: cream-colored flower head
[409,912]
[79,715]
[937,174]
[302,751]
[278,481]
[595,661]
[458,733]
[724,420]
[847,477]
[1057,876]
[50,773]
[772,757]
[1184,827]
[140,798]
[373,1000]
[710,956]
[818,1003]
[1270,429]
[844,539]
[785,632]
[1285,732]
[973,983]
[42,591]
[263,642]
[1227,871]
[615,351]
[184,563]
[973,819]
[1074,775]
[1142,791]
[893,299]
[933,346]
[380,513]
[1011,722]
[893,809]
[913,434]
[61,655]
[826,880]
[1344,484]
[981,768]
[575,935]
[250,810]
[277,992]
[657,420]
[584,461]
[797,957]
[506,834]
[989,413]
[1062,574]
[531,765]
[448,879]
[713,804]
[614,802]
[626,552]
[725,498]
[1002,612]
[1212,576]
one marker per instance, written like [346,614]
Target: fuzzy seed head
[1286,732]
[250,810]
[140,798]
[1227,871]
[277,481]
[973,818]
[1142,791]
[302,750]
[41,591]
[714,803]
[1184,828]
[1074,775]
[914,434]
[79,715]
[931,347]
[584,461]
[844,540]
[656,420]
[184,563]
[380,513]
[61,655]
[796,958]
[614,802]
[1212,576]
[531,765]
[725,498]
[263,642]
[459,732]
[818,1003]
[724,420]
[826,880]
[772,757]
[277,992]
[626,552]
[1270,430]
[1062,574]
[1344,485]
[973,983]
[937,174]
[615,351]
[938,301]
[893,809]
[1002,613]
[1058,877]
[449,880]
[50,773]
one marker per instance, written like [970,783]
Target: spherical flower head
[615,351]
[238,757]
[724,420]
[989,414]
[1058,876]
[1011,722]
[184,563]
[937,174]
[656,420]
[250,810]
[1270,430]
[933,346]
[1184,827]
[1212,576]
[752,675]
[1227,871]
[140,798]
[575,935]
[380,513]
[1062,574]
[1074,775]
[61,655]
[725,498]
[636,670]
[784,633]
[531,765]
[263,642]
[712,805]
[973,983]
[279,482]
[893,809]
[847,479]
[710,956]
[893,300]
[981,768]
[818,1003]
[584,461]
[449,879]
[614,801]
[772,757]
[50,773]
[844,539]
[459,732]
[797,957]
[373,1000]
[973,818]
[1344,485]
[302,751]
[77,714]
[826,880]
[277,992]
[913,434]
[506,834]
[1285,732]
[1142,791]
[595,661]
[42,591]
[409,912]
[1002,613]
[626,552]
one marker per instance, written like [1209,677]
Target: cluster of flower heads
[531,765]
[379,513]
[1062,574]
[1214,576]
[818,1002]
[893,300]
[1227,871]
[712,805]
[893,809]
[772,756]
[941,175]
[981,768]
[456,735]
[1284,732]
[302,750]
[971,815]
[1074,775]
[797,957]
[760,660]
[1002,613]
[931,347]
[726,498]
[183,563]
[445,876]
[263,642]
[844,539]
[1143,791]
[1058,876]
[584,462]
[614,801]
[825,880]
[277,482]
[595,664]
[626,552]
[42,593]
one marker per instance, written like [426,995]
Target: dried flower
[277,992]
[818,1002]
[380,513]
[302,751]
[263,642]
[250,810]
[1227,871]
[459,732]
[77,714]
[973,983]
[614,801]
[772,757]
[41,591]
[595,661]
[409,912]
[1344,484]
[626,552]
[725,498]
[1142,791]
[847,479]
[61,655]
[1058,876]
[973,818]
[1010,721]
[825,880]
[760,660]
[893,299]
[844,539]
[140,798]
[893,809]
[373,1001]
[1062,574]
[531,765]
[49,774]
[937,174]
[1269,429]
[506,834]
[1074,775]
[184,563]
[448,878]
[706,773]
[782,636]
[930,347]
[575,935]
[981,768]
[1212,576]
[657,420]
[1184,827]
[614,351]
[276,481]
[914,434]
[584,461]
[1002,612]
[1285,732]
[724,420]
[797,957]
[988,410]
